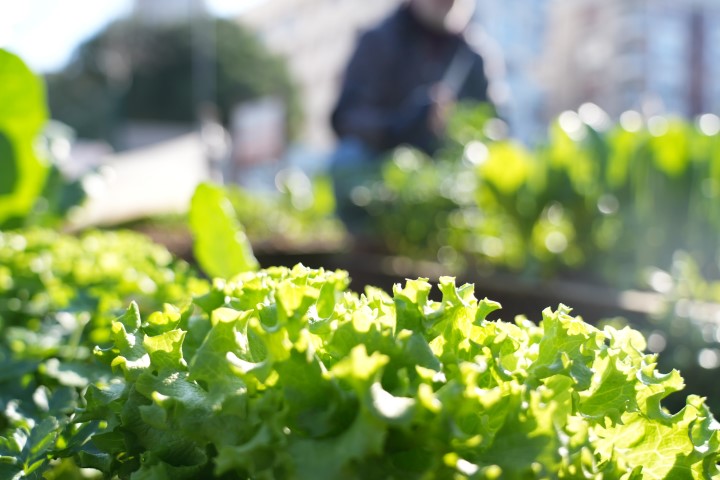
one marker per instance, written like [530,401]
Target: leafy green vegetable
[283,373]
[82,283]
[221,246]
[58,297]
[22,115]
[299,215]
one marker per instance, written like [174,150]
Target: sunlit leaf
[221,246]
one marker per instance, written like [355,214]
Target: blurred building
[167,11]
[518,28]
[317,37]
[654,55]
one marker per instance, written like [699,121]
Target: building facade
[518,29]
[658,56]
[167,11]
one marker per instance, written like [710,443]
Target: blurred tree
[142,71]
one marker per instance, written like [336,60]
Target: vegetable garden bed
[286,373]
[120,359]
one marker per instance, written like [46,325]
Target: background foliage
[138,71]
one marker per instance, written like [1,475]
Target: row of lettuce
[118,359]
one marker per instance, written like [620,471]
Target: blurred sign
[258,132]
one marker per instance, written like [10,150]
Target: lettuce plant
[58,297]
[283,373]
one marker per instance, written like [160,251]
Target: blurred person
[399,87]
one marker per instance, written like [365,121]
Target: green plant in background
[60,194]
[596,200]
[644,195]
[411,201]
[284,374]
[298,215]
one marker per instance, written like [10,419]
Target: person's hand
[442,101]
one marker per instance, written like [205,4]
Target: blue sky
[45,32]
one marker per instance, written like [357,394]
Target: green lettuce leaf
[23,113]
[221,246]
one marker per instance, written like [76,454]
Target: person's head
[443,15]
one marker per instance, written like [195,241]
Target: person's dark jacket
[386,95]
